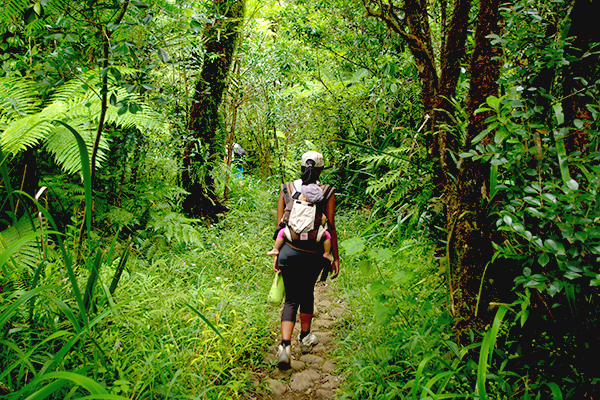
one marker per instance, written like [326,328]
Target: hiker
[237,155]
[313,194]
[300,260]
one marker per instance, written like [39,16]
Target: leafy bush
[548,212]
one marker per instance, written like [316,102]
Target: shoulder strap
[288,192]
[286,195]
[327,191]
[291,191]
[297,185]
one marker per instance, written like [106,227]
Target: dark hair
[310,174]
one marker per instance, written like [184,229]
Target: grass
[225,279]
[186,320]
[189,318]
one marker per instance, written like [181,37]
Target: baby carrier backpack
[304,221]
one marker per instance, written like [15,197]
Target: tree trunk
[582,18]
[205,147]
[464,186]
[469,235]
[235,102]
[452,53]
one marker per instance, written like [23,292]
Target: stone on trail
[331,382]
[329,366]
[313,374]
[312,360]
[323,323]
[297,365]
[324,337]
[336,312]
[301,381]
[324,393]
[326,317]
[277,387]
[324,303]
[320,348]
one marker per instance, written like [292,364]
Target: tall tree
[205,146]
[463,185]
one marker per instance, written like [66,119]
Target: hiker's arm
[335,267]
[280,208]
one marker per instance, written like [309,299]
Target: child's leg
[276,246]
[327,248]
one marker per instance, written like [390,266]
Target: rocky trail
[313,375]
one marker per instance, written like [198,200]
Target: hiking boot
[308,342]
[284,357]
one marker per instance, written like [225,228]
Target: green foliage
[541,143]
[24,126]
[178,309]
[548,215]
[141,339]
[301,92]
[398,341]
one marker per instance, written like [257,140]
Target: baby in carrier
[313,194]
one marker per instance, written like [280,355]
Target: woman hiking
[300,260]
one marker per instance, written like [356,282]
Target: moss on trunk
[205,145]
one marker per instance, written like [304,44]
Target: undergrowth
[189,318]
[398,341]
[170,348]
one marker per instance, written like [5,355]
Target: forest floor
[313,375]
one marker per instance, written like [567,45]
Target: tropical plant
[27,122]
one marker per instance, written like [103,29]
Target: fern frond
[175,227]
[18,97]
[89,106]
[63,146]
[74,87]
[28,255]
[28,131]
[80,109]
[13,10]
[386,183]
[389,158]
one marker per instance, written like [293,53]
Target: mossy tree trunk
[464,184]
[469,230]
[206,146]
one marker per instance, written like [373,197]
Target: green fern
[27,257]
[392,159]
[12,10]
[71,104]
[17,98]
[175,227]
[398,189]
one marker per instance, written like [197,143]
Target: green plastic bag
[277,290]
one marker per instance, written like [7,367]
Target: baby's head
[312,192]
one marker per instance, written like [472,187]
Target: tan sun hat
[314,156]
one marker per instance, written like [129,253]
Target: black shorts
[300,271]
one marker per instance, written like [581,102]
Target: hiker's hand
[275,266]
[335,269]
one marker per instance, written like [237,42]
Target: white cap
[314,156]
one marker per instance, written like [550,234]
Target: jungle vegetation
[462,138]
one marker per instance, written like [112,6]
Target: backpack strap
[327,191]
[286,195]
[288,192]
[292,192]
[297,185]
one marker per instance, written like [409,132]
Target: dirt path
[313,375]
